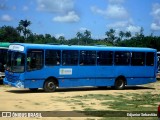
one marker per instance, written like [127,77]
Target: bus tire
[50,85]
[119,83]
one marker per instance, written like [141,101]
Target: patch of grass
[119,102]
[95,96]
[89,109]
[75,100]
[73,107]
[80,103]
[93,103]
[37,103]
[136,103]
[18,106]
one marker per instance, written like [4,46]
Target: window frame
[57,60]
[143,63]
[72,56]
[84,59]
[105,61]
[120,61]
[152,61]
[31,59]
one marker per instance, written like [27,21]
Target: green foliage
[144,102]
[110,36]
[23,34]
[9,34]
[148,41]
[23,24]
[124,102]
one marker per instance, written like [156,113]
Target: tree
[87,34]
[79,36]
[128,34]
[111,36]
[40,38]
[54,40]
[28,33]
[23,24]
[121,34]
[19,29]
[141,31]
[9,34]
[48,38]
[61,39]
[31,38]
[139,35]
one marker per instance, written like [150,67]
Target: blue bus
[3,58]
[36,66]
[158,65]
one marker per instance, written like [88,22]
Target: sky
[67,17]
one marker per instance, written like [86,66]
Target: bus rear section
[50,66]
[3,59]
[158,65]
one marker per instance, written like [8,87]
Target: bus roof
[4,44]
[79,47]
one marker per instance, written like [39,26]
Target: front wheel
[49,86]
[119,84]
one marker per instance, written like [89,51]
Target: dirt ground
[14,99]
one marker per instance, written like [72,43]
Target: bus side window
[150,59]
[33,63]
[52,57]
[138,59]
[34,59]
[70,57]
[87,57]
[122,58]
[105,58]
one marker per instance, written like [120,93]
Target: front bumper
[18,84]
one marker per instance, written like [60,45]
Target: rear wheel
[49,85]
[119,84]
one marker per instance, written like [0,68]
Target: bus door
[34,72]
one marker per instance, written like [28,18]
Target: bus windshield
[15,61]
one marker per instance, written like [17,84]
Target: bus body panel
[79,76]
[140,81]
[34,83]
[132,71]
[36,79]
[105,78]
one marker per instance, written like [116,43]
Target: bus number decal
[65,71]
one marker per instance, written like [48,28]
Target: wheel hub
[51,85]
